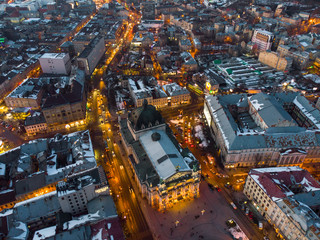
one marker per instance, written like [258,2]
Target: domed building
[145,118]
[164,172]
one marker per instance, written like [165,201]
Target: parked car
[247,211]
[260,225]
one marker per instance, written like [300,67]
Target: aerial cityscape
[159,120]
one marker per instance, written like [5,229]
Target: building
[176,94]
[35,123]
[164,172]
[273,59]
[263,39]
[47,218]
[75,193]
[189,64]
[300,59]
[55,63]
[42,162]
[288,198]
[279,129]
[148,10]
[91,55]
[27,95]
[237,71]
[67,108]
[185,45]
[169,95]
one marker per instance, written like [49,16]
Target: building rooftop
[85,53]
[36,118]
[164,156]
[173,89]
[245,134]
[54,55]
[281,182]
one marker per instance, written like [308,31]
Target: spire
[145,103]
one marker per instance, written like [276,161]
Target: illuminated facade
[264,129]
[67,107]
[263,39]
[164,172]
[273,59]
[286,197]
[35,123]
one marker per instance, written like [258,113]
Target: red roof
[282,181]
[15,14]
[107,228]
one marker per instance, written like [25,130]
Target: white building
[55,63]
[76,192]
[263,39]
[285,196]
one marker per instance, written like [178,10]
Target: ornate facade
[164,172]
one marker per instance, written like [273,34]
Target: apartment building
[35,124]
[91,55]
[286,197]
[273,59]
[74,194]
[27,95]
[263,39]
[55,63]
[68,106]
[277,129]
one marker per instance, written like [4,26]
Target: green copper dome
[145,117]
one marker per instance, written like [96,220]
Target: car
[260,225]
[109,129]
[113,154]
[241,180]
[247,211]
[217,188]
[233,205]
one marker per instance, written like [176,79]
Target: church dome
[145,117]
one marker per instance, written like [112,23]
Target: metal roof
[163,154]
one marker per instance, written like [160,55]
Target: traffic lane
[125,185]
[10,136]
